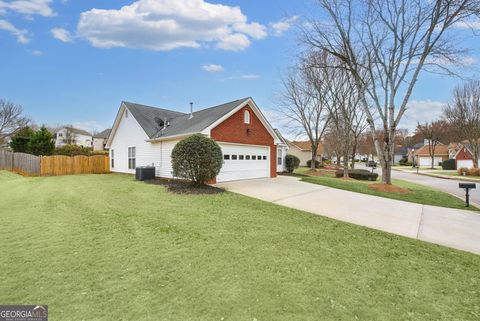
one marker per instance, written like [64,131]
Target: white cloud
[234,42]
[212,68]
[475,24]
[28,7]
[283,25]
[61,34]
[22,35]
[169,24]
[421,111]
[37,53]
[244,77]
[90,125]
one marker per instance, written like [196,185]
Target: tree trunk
[345,165]
[433,160]
[385,157]
[314,158]
[387,174]
[354,151]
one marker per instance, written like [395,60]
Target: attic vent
[160,122]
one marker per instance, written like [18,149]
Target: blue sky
[73,62]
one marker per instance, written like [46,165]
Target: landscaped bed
[404,191]
[105,247]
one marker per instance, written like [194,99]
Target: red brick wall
[234,130]
[463,154]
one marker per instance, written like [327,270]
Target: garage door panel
[427,161]
[465,163]
[242,165]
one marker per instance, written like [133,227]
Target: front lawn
[418,193]
[104,247]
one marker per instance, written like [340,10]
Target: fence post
[13,159]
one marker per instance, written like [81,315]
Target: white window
[131,157]
[246,117]
[111,159]
[279,156]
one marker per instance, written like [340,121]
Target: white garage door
[427,161]
[244,162]
[464,163]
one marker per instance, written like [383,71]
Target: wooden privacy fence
[31,165]
[66,165]
[24,164]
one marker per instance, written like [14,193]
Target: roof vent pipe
[191,110]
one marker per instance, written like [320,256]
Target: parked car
[371,164]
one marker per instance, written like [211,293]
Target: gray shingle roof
[180,123]
[103,134]
[79,131]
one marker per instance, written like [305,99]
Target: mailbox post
[467,187]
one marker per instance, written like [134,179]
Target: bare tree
[385,44]
[11,119]
[342,101]
[434,133]
[70,136]
[305,106]
[464,114]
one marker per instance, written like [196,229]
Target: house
[423,158]
[100,140]
[400,152]
[303,150]
[463,157]
[75,136]
[145,136]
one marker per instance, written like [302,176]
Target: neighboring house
[74,136]
[100,140]
[145,136]
[401,152]
[423,158]
[303,150]
[282,149]
[463,157]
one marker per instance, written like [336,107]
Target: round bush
[291,162]
[309,163]
[448,164]
[197,158]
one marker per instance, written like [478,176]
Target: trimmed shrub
[462,171]
[403,161]
[360,174]
[309,164]
[197,158]
[448,164]
[291,162]
[73,150]
[473,172]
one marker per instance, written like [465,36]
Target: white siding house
[75,136]
[145,136]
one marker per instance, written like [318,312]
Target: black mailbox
[467,187]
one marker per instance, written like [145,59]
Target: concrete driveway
[458,229]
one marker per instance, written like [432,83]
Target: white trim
[230,143]
[257,112]
[159,139]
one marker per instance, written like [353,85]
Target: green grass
[418,193]
[455,174]
[104,247]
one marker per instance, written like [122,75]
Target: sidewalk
[454,228]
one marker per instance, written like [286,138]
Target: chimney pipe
[191,110]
